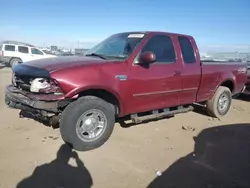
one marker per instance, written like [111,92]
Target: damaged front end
[35,93]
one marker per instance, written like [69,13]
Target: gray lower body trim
[164,92]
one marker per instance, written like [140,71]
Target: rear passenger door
[191,70]
[157,86]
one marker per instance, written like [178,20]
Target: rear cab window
[9,48]
[23,49]
[187,50]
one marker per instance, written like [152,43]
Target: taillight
[2,53]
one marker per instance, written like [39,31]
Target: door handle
[177,73]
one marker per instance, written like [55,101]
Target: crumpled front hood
[56,63]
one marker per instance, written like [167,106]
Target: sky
[217,25]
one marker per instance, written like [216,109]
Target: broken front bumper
[19,99]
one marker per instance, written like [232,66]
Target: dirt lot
[33,155]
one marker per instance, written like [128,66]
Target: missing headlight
[46,86]
[38,84]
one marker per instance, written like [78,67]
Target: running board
[158,115]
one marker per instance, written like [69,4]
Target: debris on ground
[238,108]
[188,128]
[158,173]
[213,119]
[169,148]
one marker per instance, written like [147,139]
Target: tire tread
[68,115]
[211,105]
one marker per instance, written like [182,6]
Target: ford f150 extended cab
[127,74]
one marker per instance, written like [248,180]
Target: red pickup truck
[141,75]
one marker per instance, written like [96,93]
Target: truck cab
[174,76]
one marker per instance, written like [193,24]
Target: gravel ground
[189,150]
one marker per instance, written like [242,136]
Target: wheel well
[229,84]
[105,95]
[15,58]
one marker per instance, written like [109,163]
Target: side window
[187,50]
[36,51]
[23,49]
[163,48]
[9,48]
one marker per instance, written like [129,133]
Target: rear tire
[15,61]
[87,123]
[220,104]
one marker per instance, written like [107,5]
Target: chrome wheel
[223,102]
[91,125]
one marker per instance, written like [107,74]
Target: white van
[12,52]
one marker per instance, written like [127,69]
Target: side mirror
[147,58]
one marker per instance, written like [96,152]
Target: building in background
[229,56]
[80,51]
[53,48]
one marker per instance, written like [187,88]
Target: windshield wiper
[97,55]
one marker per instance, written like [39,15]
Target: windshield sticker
[136,35]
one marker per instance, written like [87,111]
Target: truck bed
[235,70]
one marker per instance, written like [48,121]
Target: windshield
[119,46]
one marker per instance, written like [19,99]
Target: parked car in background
[141,75]
[13,52]
[47,52]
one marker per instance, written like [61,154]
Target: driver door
[158,85]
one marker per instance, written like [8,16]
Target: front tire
[220,104]
[87,123]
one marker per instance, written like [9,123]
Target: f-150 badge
[121,77]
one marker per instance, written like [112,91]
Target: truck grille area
[21,82]
[24,83]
